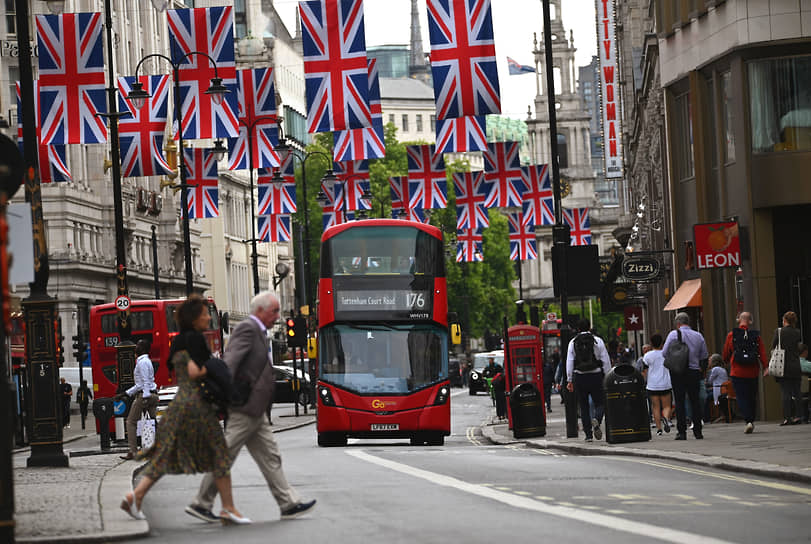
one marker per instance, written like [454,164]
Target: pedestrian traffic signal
[60,339]
[296,332]
[78,347]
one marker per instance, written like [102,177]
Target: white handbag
[777,362]
[146,430]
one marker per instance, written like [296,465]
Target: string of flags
[342,92]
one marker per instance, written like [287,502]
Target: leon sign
[717,245]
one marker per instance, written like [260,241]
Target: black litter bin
[103,410]
[626,408]
[526,404]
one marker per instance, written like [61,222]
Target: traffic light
[296,332]
[78,347]
[60,339]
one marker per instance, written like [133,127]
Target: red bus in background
[149,319]
[383,333]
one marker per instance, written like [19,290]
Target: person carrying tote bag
[787,339]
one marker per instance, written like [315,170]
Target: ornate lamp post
[217,91]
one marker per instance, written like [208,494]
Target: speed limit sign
[122,303]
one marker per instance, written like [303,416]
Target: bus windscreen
[379,359]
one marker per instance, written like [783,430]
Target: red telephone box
[525,374]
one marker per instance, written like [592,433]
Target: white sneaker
[598,433]
[749,428]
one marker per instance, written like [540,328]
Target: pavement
[771,450]
[80,503]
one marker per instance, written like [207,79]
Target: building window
[726,116]
[13,78]
[405,122]
[433,123]
[780,104]
[240,19]
[11,17]
[419,122]
[683,138]
[391,118]
[295,125]
[563,151]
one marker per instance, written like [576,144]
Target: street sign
[122,303]
[641,268]
[551,316]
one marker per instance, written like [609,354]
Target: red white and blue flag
[354,176]
[516,69]
[402,195]
[462,134]
[539,201]
[580,225]
[202,178]
[522,238]
[257,115]
[210,31]
[469,246]
[410,214]
[364,143]
[71,79]
[53,159]
[141,133]
[274,228]
[336,74]
[275,198]
[463,58]
[470,189]
[426,167]
[502,168]
[333,211]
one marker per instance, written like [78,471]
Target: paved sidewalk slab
[772,450]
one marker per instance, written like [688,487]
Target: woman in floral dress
[189,437]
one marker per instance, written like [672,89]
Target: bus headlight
[326,396]
[474,375]
[442,395]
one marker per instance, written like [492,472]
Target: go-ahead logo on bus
[717,245]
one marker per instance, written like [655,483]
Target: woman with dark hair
[789,337]
[189,437]
[659,386]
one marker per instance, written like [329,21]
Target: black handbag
[216,386]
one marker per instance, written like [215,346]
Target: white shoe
[749,428]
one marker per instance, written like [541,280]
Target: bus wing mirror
[224,322]
[456,334]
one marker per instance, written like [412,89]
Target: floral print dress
[189,436]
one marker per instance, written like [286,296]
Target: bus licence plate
[385,426]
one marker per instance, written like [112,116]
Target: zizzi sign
[641,268]
[717,245]
[609,87]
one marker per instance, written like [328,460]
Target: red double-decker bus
[152,320]
[383,333]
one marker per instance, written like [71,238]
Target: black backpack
[584,359]
[745,344]
[677,358]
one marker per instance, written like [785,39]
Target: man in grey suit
[248,357]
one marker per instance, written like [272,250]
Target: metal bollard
[103,410]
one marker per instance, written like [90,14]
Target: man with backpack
[587,362]
[685,376]
[746,354]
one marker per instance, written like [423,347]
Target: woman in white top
[658,386]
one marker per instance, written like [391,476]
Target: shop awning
[687,295]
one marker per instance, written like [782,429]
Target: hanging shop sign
[641,268]
[717,245]
[609,88]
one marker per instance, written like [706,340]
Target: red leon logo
[717,245]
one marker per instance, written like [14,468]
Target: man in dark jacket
[248,357]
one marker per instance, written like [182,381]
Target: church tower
[418,67]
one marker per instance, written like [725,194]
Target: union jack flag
[410,214]
[53,165]
[257,112]
[402,195]
[502,168]
[539,201]
[71,78]
[210,31]
[202,175]
[427,168]
[274,228]
[470,189]
[469,246]
[142,132]
[277,198]
[354,176]
[461,134]
[334,209]
[580,225]
[522,238]
[336,74]
[463,58]
[364,143]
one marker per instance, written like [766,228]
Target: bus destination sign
[416,304]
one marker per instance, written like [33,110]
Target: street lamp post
[43,411]
[139,97]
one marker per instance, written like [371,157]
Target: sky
[388,22]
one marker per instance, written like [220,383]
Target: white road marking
[457,393]
[582,516]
